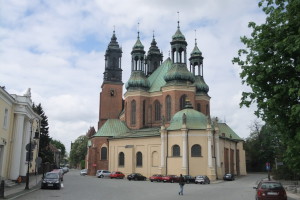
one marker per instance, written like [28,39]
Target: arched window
[157,111]
[207,109]
[199,107]
[103,153]
[121,159]
[133,112]
[182,101]
[168,108]
[144,112]
[139,159]
[196,150]
[175,151]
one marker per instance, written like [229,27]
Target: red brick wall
[94,155]
[110,106]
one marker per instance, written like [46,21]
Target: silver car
[102,173]
[202,179]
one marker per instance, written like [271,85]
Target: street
[76,187]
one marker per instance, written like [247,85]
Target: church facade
[162,124]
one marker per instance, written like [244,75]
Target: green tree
[270,66]
[263,145]
[60,146]
[78,150]
[44,151]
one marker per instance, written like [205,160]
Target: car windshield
[270,185]
[51,175]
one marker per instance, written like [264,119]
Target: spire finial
[169,53]
[178,20]
[114,28]
[195,37]
[153,34]
[138,29]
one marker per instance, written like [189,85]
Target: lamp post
[29,156]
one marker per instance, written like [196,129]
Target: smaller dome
[193,120]
[179,72]
[201,86]
[138,44]
[178,36]
[196,52]
[137,80]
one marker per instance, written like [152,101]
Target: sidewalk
[19,189]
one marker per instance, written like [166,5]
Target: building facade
[19,126]
[162,124]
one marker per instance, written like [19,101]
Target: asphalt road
[76,187]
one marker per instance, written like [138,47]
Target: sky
[56,48]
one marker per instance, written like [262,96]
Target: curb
[23,192]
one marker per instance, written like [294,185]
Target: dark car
[170,178]
[136,176]
[117,174]
[270,190]
[202,179]
[156,177]
[52,180]
[60,172]
[189,179]
[228,177]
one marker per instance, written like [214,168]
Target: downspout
[188,156]
[214,141]
[167,153]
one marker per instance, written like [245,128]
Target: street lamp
[29,156]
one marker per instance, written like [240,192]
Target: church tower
[202,99]
[111,103]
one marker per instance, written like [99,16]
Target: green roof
[112,127]
[146,132]
[178,35]
[157,78]
[194,120]
[229,133]
[137,80]
[179,72]
[201,86]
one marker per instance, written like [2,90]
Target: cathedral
[162,123]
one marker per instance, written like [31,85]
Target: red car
[117,174]
[156,177]
[170,178]
[267,190]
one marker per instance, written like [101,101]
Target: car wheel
[144,179]
[172,181]
[101,176]
[135,179]
[151,180]
[187,181]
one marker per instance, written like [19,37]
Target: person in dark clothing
[181,184]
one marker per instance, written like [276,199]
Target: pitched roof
[229,133]
[157,78]
[112,127]
[146,132]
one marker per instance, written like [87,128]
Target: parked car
[202,179]
[60,172]
[156,177]
[65,169]
[189,179]
[170,178]
[117,174]
[136,176]
[52,180]
[270,190]
[228,177]
[102,173]
[83,172]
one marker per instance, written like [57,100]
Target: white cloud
[57,49]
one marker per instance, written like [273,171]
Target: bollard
[2,189]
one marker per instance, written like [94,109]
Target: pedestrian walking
[181,184]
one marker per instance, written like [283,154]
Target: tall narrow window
[157,111]
[199,107]
[182,101]
[103,153]
[168,108]
[139,159]
[133,112]
[196,150]
[144,112]
[175,151]
[121,159]
[207,109]
[5,122]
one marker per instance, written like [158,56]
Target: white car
[83,172]
[102,173]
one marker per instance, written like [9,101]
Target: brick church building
[162,123]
